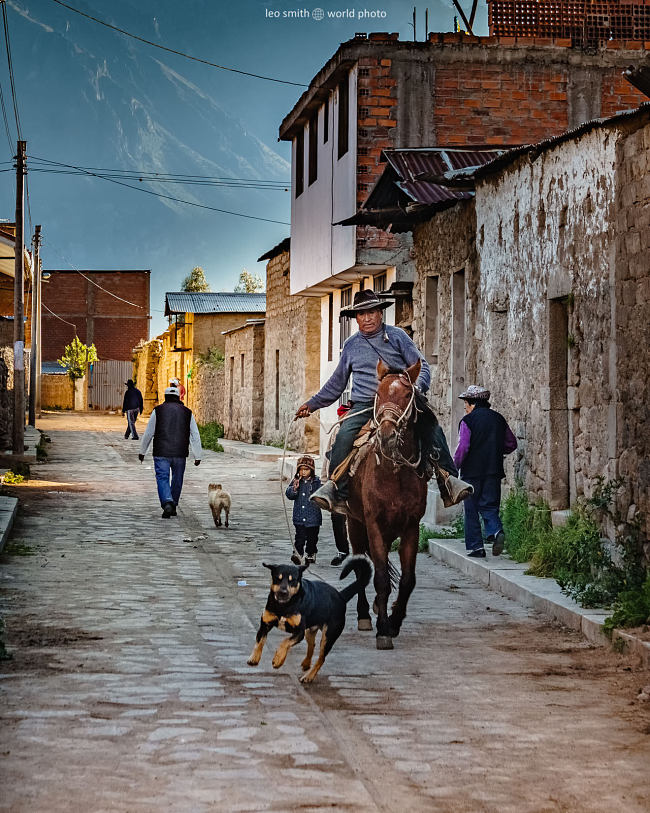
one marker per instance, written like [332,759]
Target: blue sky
[91,97]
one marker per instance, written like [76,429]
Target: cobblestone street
[129,689]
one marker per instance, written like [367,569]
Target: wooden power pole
[18,446]
[34,370]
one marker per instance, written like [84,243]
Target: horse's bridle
[393,413]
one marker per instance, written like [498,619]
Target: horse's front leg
[379,556]
[359,544]
[408,551]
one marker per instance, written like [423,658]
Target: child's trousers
[308,536]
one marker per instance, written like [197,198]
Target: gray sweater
[360,357]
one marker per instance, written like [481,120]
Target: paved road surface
[129,689]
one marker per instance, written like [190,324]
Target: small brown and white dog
[219,500]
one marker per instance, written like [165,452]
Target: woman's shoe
[296,558]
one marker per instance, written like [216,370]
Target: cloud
[25,13]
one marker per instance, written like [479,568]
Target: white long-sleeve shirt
[195,438]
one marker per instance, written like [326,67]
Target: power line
[6,121]
[59,317]
[169,197]
[11,71]
[173,51]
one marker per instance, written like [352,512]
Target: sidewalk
[9,505]
[509,578]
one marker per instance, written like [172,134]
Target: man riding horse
[361,353]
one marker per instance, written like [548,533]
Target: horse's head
[394,403]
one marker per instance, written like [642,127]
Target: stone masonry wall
[206,396]
[146,363]
[244,384]
[632,327]
[6,397]
[293,343]
[443,246]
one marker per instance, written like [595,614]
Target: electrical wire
[11,71]
[172,198]
[6,121]
[59,317]
[178,53]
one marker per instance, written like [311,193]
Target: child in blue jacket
[307,517]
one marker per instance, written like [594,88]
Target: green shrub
[525,525]
[210,434]
[631,608]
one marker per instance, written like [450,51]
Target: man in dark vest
[173,430]
[484,438]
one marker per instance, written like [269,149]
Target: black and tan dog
[302,608]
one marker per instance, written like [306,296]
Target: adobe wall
[56,392]
[244,384]
[293,341]
[208,329]
[206,394]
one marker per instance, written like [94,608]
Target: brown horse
[388,498]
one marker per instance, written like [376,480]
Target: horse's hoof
[384,642]
[364,624]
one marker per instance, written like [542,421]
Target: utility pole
[18,446]
[34,371]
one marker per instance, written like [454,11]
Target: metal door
[106,384]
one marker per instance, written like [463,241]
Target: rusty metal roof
[209,302]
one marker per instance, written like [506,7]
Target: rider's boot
[330,498]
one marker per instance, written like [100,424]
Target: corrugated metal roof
[415,169]
[52,367]
[209,302]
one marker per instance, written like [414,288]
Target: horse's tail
[362,570]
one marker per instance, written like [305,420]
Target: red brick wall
[114,326]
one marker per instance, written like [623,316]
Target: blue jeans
[164,467]
[131,418]
[484,502]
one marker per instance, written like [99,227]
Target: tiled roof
[209,302]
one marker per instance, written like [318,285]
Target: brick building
[378,93]
[109,309]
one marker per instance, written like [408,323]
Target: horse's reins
[396,415]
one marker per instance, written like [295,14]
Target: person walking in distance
[484,437]
[173,430]
[307,517]
[132,406]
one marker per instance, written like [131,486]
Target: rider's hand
[303,411]
[141,457]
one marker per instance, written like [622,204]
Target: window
[326,121]
[241,382]
[346,301]
[379,282]
[330,327]
[313,148]
[300,162]
[431,320]
[344,124]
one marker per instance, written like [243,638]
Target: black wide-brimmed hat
[366,301]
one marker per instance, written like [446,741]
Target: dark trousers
[306,535]
[131,418]
[483,503]
[340,528]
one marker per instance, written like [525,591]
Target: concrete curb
[8,509]
[509,578]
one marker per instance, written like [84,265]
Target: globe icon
[317,14]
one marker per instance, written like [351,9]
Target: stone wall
[631,416]
[206,395]
[6,397]
[291,358]
[244,383]
[56,392]
[556,308]
[209,327]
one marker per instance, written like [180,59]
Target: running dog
[219,500]
[304,607]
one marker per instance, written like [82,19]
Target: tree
[195,281]
[76,358]
[249,283]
